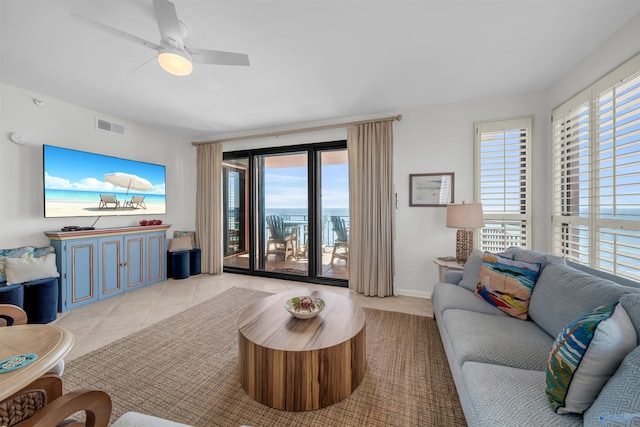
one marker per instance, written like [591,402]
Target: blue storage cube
[195,256]
[41,300]
[179,262]
[12,294]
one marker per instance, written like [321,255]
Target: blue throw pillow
[585,355]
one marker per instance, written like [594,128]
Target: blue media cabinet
[98,264]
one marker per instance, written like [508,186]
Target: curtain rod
[300,130]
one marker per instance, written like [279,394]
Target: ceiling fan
[173,56]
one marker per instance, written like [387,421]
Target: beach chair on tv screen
[136,202]
[107,199]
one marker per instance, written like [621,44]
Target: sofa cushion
[501,340]
[45,250]
[471,271]
[20,270]
[534,257]
[446,296]
[179,244]
[507,284]
[585,355]
[25,251]
[631,304]
[562,294]
[619,401]
[507,396]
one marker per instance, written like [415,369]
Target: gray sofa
[499,362]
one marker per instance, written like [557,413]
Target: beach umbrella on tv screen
[128,181]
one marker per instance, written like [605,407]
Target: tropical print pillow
[585,355]
[507,283]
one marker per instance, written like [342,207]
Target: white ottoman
[135,419]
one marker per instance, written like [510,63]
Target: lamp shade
[466,215]
[175,61]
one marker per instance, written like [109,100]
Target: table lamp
[465,218]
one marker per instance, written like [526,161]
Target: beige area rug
[185,369]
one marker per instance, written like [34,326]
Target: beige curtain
[209,206]
[371,204]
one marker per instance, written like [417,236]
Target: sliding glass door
[334,214]
[287,212]
[282,209]
[235,203]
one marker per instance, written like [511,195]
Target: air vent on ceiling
[108,126]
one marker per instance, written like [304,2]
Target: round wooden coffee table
[299,365]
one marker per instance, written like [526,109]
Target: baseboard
[412,293]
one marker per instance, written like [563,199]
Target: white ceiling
[311,60]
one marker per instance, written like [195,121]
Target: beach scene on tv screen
[78,183]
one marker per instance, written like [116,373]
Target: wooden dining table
[49,343]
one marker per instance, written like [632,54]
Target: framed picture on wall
[431,189]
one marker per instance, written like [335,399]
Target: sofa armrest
[453,277]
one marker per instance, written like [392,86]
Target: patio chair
[106,199]
[341,242]
[282,240]
[136,202]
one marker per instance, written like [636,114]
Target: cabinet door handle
[123,264]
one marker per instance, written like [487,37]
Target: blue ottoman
[178,264]
[41,300]
[12,294]
[195,256]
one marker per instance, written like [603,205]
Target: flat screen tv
[77,183]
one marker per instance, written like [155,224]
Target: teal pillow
[585,355]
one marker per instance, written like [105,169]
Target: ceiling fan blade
[168,23]
[116,32]
[218,57]
[143,64]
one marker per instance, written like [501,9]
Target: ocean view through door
[295,216]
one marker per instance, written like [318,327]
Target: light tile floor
[95,325]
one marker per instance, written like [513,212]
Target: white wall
[616,50]
[440,139]
[57,123]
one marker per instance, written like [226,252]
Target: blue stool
[12,294]
[178,264]
[195,256]
[41,300]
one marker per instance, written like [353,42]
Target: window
[503,182]
[596,174]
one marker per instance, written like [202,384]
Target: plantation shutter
[596,147]
[571,180]
[503,182]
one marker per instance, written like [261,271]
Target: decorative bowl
[304,307]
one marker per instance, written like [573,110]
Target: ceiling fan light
[175,62]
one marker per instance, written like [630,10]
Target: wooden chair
[106,199]
[12,315]
[42,404]
[341,242]
[282,240]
